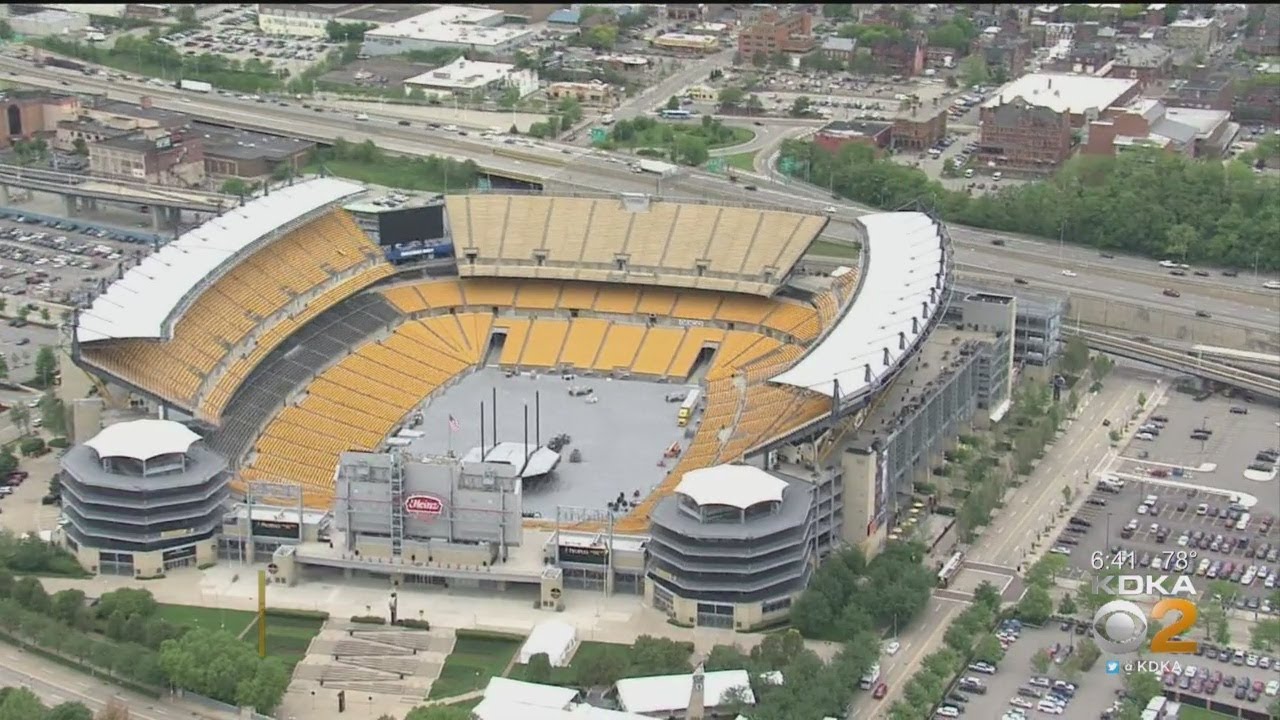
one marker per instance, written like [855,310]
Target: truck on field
[195,86]
[656,167]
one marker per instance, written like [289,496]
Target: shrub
[414,624]
[59,442]
[369,619]
[31,446]
[301,614]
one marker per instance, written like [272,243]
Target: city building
[1263,37]
[1145,63]
[174,158]
[1037,329]
[1082,97]
[1149,123]
[141,498]
[588,93]
[1006,54]
[1022,136]
[835,135]
[32,113]
[1258,101]
[1197,34]
[684,12]
[905,57]
[839,49]
[688,43]
[232,152]
[72,134]
[735,544]
[449,27]
[474,79]
[252,531]
[130,116]
[1083,58]
[919,129]
[1211,91]
[565,17]
[773,32]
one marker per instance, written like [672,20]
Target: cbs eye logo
[1120,627]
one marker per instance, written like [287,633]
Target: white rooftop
[667,693]
[495,709]
[739,486]
[139,304]
[527,693]
[557,640]
[901,291]
[1199,22]
[1076,94]
[541,460]
[451,24]
[142,439]
[463,74]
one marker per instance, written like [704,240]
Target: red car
[880,691]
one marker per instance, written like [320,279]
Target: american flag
[453,424]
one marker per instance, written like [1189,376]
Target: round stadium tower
[143,497]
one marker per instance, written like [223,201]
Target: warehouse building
[473,79]
[142,498]
[450,27]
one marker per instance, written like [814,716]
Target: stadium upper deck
[629,239]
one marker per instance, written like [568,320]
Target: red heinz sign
[423,505]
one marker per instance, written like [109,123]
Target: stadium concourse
[286,332]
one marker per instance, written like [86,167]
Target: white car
[1021,703]
[1068,273]
[1049,708]
[1040,682]
[1272,284]
[1273,688]
[830,210]
[892,647]
[947,711]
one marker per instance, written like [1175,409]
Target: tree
[6,30]
[726,657]
[673,103]
[80,147]
[1142,400]
[46,366]
[236,186]
[974,70]
[1075,356]
[1040,661]
[70,711]
[21,704]
[988,649]
[186,15]
[1036,605]
[115,709]
[800,107]
[216,664]
[8,463]
[66,604]
[732,96]
[538,669]
[1141,687]
[53,413]
[20,416]
[1068,606]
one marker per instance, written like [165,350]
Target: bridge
[1179,361]
[91,190]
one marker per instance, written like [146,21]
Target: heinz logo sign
[423,505]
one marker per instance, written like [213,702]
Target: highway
[566,168]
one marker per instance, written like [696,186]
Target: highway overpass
[89,188]
[1177,361]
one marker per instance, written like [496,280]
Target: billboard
[424,505]
[594,555]
[274,528]
[396,227]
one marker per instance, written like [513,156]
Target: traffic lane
[691,72]
[54,686]
[923,638]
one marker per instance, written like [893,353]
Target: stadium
[315,329]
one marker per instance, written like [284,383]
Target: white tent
[556,638]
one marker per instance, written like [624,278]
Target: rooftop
[139,305]
[1201,22]
[463,74]
[739,486]
[527,693]
[142,439]
[247,144]
[451,24]
[1142,55]
[899,294]
[124,109]
[1075,94]
[855,128]
[666,693]
[383,13]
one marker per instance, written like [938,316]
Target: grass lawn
[585,655]
[233,621]
[473,661]
[389,171]
[287,637]
[835,249]
[646,133]
[742,161]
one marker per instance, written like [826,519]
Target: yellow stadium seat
[620,347]
[583,343]
[658,351]
[546,337]
[517,333]
[617,299]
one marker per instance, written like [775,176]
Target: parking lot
[1237,678]
[234,34]
[1095,695]
[57,260]
[1234,441]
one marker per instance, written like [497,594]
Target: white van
[995,177]
[1151,500]
[968,173]
[1243,522]
[1145,436]
[362,117]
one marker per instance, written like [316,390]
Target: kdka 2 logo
[1120,626]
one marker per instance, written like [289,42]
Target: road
[1028,511]
[1235,300]
[55,684]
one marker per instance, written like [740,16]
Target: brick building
[1028,138]
[1149,123]
[230,152]
[31,113]
[1198,34]
[1082,97]
[919,129]
[839,49]
[835,135]
[160,157]
[1264,38]
[1005,54]
[905,57]
[773,32]
[1085,58]
[1212,91]
[1145,63]
[1258,102]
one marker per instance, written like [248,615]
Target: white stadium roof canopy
[556,638]
[902,289]
[739,486]
[139,304]
[670,693]
[142,439]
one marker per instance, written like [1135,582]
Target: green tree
[80,147]
[20,416]
[46,366]
[1075,356]
[65,605]
[732,96]
[988,649]
[726,657]
[800,107]
[438,712]
[236,186]
[6,30]
[8,463]
[21,704]
[216,664]
[673,103]
[1068,606]
[186,16]
[53,413]
[974,70]
[1040,661]
[30,594]
[70,711]
[1036,605]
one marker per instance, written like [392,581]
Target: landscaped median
[687,143]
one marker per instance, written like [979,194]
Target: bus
[949,569]
[871,678]
[676,114]
[688,406]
